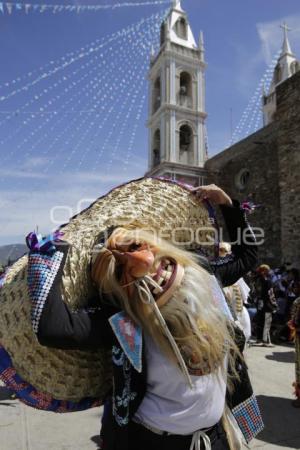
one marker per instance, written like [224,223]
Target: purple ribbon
[37,242]
[249,206]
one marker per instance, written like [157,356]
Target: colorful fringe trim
[27,394]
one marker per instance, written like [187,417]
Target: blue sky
[73,96]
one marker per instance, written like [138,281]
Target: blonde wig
[201,330]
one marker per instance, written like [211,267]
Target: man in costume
[176,363]
[166,296]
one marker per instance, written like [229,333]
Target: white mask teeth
[157,291]
[160,281]
[168,276]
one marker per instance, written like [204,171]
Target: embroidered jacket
[56,326]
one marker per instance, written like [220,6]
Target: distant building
[265,167]
[177,142]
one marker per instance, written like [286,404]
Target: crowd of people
[270,302]
[271,298]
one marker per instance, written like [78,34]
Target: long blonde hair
[202,331]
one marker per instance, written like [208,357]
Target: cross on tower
[285,28]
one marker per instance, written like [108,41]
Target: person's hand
[212,193]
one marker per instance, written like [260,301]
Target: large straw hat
[74,375]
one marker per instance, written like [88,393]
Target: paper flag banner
[78,8]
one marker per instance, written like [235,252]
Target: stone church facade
[263,168]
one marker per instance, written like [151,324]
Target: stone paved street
[272,372]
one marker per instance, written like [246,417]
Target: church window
[181,28]
[185,89]
[156,148]
[156,95]
[277,74]
[185,138]
[242,179]
[294,67]
[186,145]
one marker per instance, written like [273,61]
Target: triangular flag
[1,7]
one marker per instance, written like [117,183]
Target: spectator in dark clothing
[266,305]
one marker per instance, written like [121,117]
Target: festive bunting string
[9,8]
[129,31]
[124,93]
[137,97]
[146,44]
[150,36]
[132,105]
[251,118]
[53,63]
[42,110]
[120,85]
[116,127]
[133,135]
[71,61]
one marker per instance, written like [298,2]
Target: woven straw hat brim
[73,375]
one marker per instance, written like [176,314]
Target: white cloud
[14,173]
[36,161]
[23,209]
[250,67]
[271,36]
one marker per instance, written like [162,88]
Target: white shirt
[171,405]
[244,288]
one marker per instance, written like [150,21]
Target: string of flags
[252,115]
[9,7]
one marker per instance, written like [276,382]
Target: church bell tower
[287,65]
[177,136]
